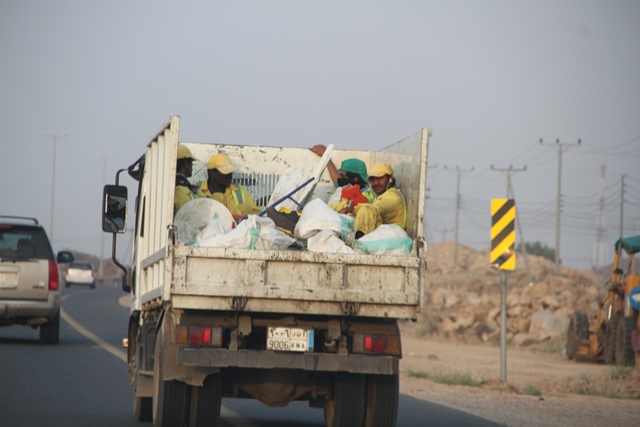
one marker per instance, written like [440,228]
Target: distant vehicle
[80,273]
[30,291]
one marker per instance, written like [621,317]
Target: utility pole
[104,158]
[53,178]
[455,247]
[511,195]
[444,232]
[428,235]
[622,200]
[601,235]
[560,147]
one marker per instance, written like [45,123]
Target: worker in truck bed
[185,192]
[388,208]
[352,172]
[218,187]
[351,189]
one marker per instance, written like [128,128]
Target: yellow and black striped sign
[503,234]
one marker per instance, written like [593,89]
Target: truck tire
[382,401]
[347,405]
[204,410]
[170,398]
[50,331]
[143,408]
[577,331]
[610,333]
[624,350]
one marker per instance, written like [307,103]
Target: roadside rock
[463,302]
[524,340]
[545,325]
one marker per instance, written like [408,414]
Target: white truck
[273,325]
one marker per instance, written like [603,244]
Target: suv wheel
[50,331]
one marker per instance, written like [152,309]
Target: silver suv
[30,290]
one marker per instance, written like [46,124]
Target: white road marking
[123,356]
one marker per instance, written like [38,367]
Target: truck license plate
[289,339]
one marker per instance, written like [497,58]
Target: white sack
[244,236]
[327,241]
[206,216]
[255,232]
[388,239]
[271,237]
[317,215]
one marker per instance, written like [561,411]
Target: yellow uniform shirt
[182,196]
[236,199]
[387,208]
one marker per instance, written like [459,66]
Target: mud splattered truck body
[273,325]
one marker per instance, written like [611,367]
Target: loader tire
[610,333]
[624,349]
[577,331]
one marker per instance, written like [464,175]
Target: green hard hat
[355,166]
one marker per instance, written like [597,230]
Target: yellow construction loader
[616,337]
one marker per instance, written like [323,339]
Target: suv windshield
[23,242]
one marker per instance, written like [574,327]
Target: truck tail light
[376,343]
[54,276]
[199,335]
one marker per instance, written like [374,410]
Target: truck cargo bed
[283,281]
[295,282]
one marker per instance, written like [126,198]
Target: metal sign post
[503,326]
[503,256]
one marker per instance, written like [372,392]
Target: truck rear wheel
[205,403]
[610,333]
[382,401]
[577,331]
[624,349]
[347,406]
[170,398]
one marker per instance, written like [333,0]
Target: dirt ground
[542,388]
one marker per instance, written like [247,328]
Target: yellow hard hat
[185,153]
[380,169]
[222,163]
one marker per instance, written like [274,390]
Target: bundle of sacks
[326,230]
[208,223]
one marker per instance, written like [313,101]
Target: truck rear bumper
[224,358]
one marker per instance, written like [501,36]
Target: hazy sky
[490,78]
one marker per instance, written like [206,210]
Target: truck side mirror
[126,282]
[114,209]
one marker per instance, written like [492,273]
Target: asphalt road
[83,381]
